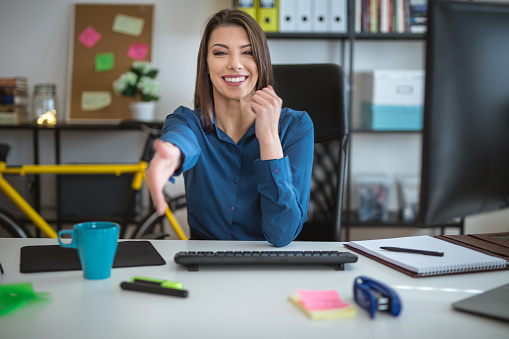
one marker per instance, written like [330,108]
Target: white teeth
[235,80]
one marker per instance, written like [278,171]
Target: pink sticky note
[89,37]
[137,51]
[320,300]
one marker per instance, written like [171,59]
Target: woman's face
[232,67]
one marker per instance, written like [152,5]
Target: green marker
[159,282]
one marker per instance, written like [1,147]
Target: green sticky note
[104,62]
[95,101]
[129,25]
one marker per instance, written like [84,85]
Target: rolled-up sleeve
[177,131]
[284,184]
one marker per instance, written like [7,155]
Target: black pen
[149,288]
[409,250]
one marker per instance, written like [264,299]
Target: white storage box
[392,99]
[393,87]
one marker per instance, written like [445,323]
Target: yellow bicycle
[16,229]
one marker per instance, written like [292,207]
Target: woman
[246,161]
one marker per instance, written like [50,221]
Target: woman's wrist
[270,149]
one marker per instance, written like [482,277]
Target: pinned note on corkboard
[105,42]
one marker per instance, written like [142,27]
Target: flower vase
[142,110]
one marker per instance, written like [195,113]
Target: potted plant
[139,83]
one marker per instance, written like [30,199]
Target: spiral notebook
[456,259]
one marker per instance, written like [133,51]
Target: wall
[35,43]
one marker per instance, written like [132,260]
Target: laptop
[493,303]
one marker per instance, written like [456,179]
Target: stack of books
[14,101]
[391,16]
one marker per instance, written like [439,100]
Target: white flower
[143,67]
[149,86]
[126,79]
[139,82]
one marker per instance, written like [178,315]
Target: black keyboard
[192,259]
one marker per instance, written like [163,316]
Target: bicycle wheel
[148,224]
[159,223]
[9,226]
[157,226]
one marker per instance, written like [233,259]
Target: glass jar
[44,105]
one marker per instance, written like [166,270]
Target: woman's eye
[248,52]
[219,53]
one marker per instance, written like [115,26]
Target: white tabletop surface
[238,302]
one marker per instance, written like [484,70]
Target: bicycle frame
[137,169]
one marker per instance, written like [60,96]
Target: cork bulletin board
[106,40]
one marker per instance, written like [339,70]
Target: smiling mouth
[235,80]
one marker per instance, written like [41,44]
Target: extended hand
[160,169]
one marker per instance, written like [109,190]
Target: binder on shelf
[267,15]
[304,16]
[338,21]
[320,19]
[248,6]
[287,16]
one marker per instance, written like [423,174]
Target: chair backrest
[320,90]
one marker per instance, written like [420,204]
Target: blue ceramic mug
[96,243]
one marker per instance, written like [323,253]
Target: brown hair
[203,98]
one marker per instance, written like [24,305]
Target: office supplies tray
[192,259]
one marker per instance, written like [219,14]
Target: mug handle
[62,232]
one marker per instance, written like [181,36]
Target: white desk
[238,302]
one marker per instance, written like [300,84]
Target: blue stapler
[375,296]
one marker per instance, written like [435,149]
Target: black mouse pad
[52,258]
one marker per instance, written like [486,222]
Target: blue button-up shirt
[232,194]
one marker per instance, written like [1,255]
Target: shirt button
[237,150]
[232,208]
[276,171]
[235,181]
[230,232]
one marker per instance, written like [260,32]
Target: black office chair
[320,90]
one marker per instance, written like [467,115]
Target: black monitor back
[465,165]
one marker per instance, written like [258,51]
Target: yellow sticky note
[129,25]
[94,101]
[104,62]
